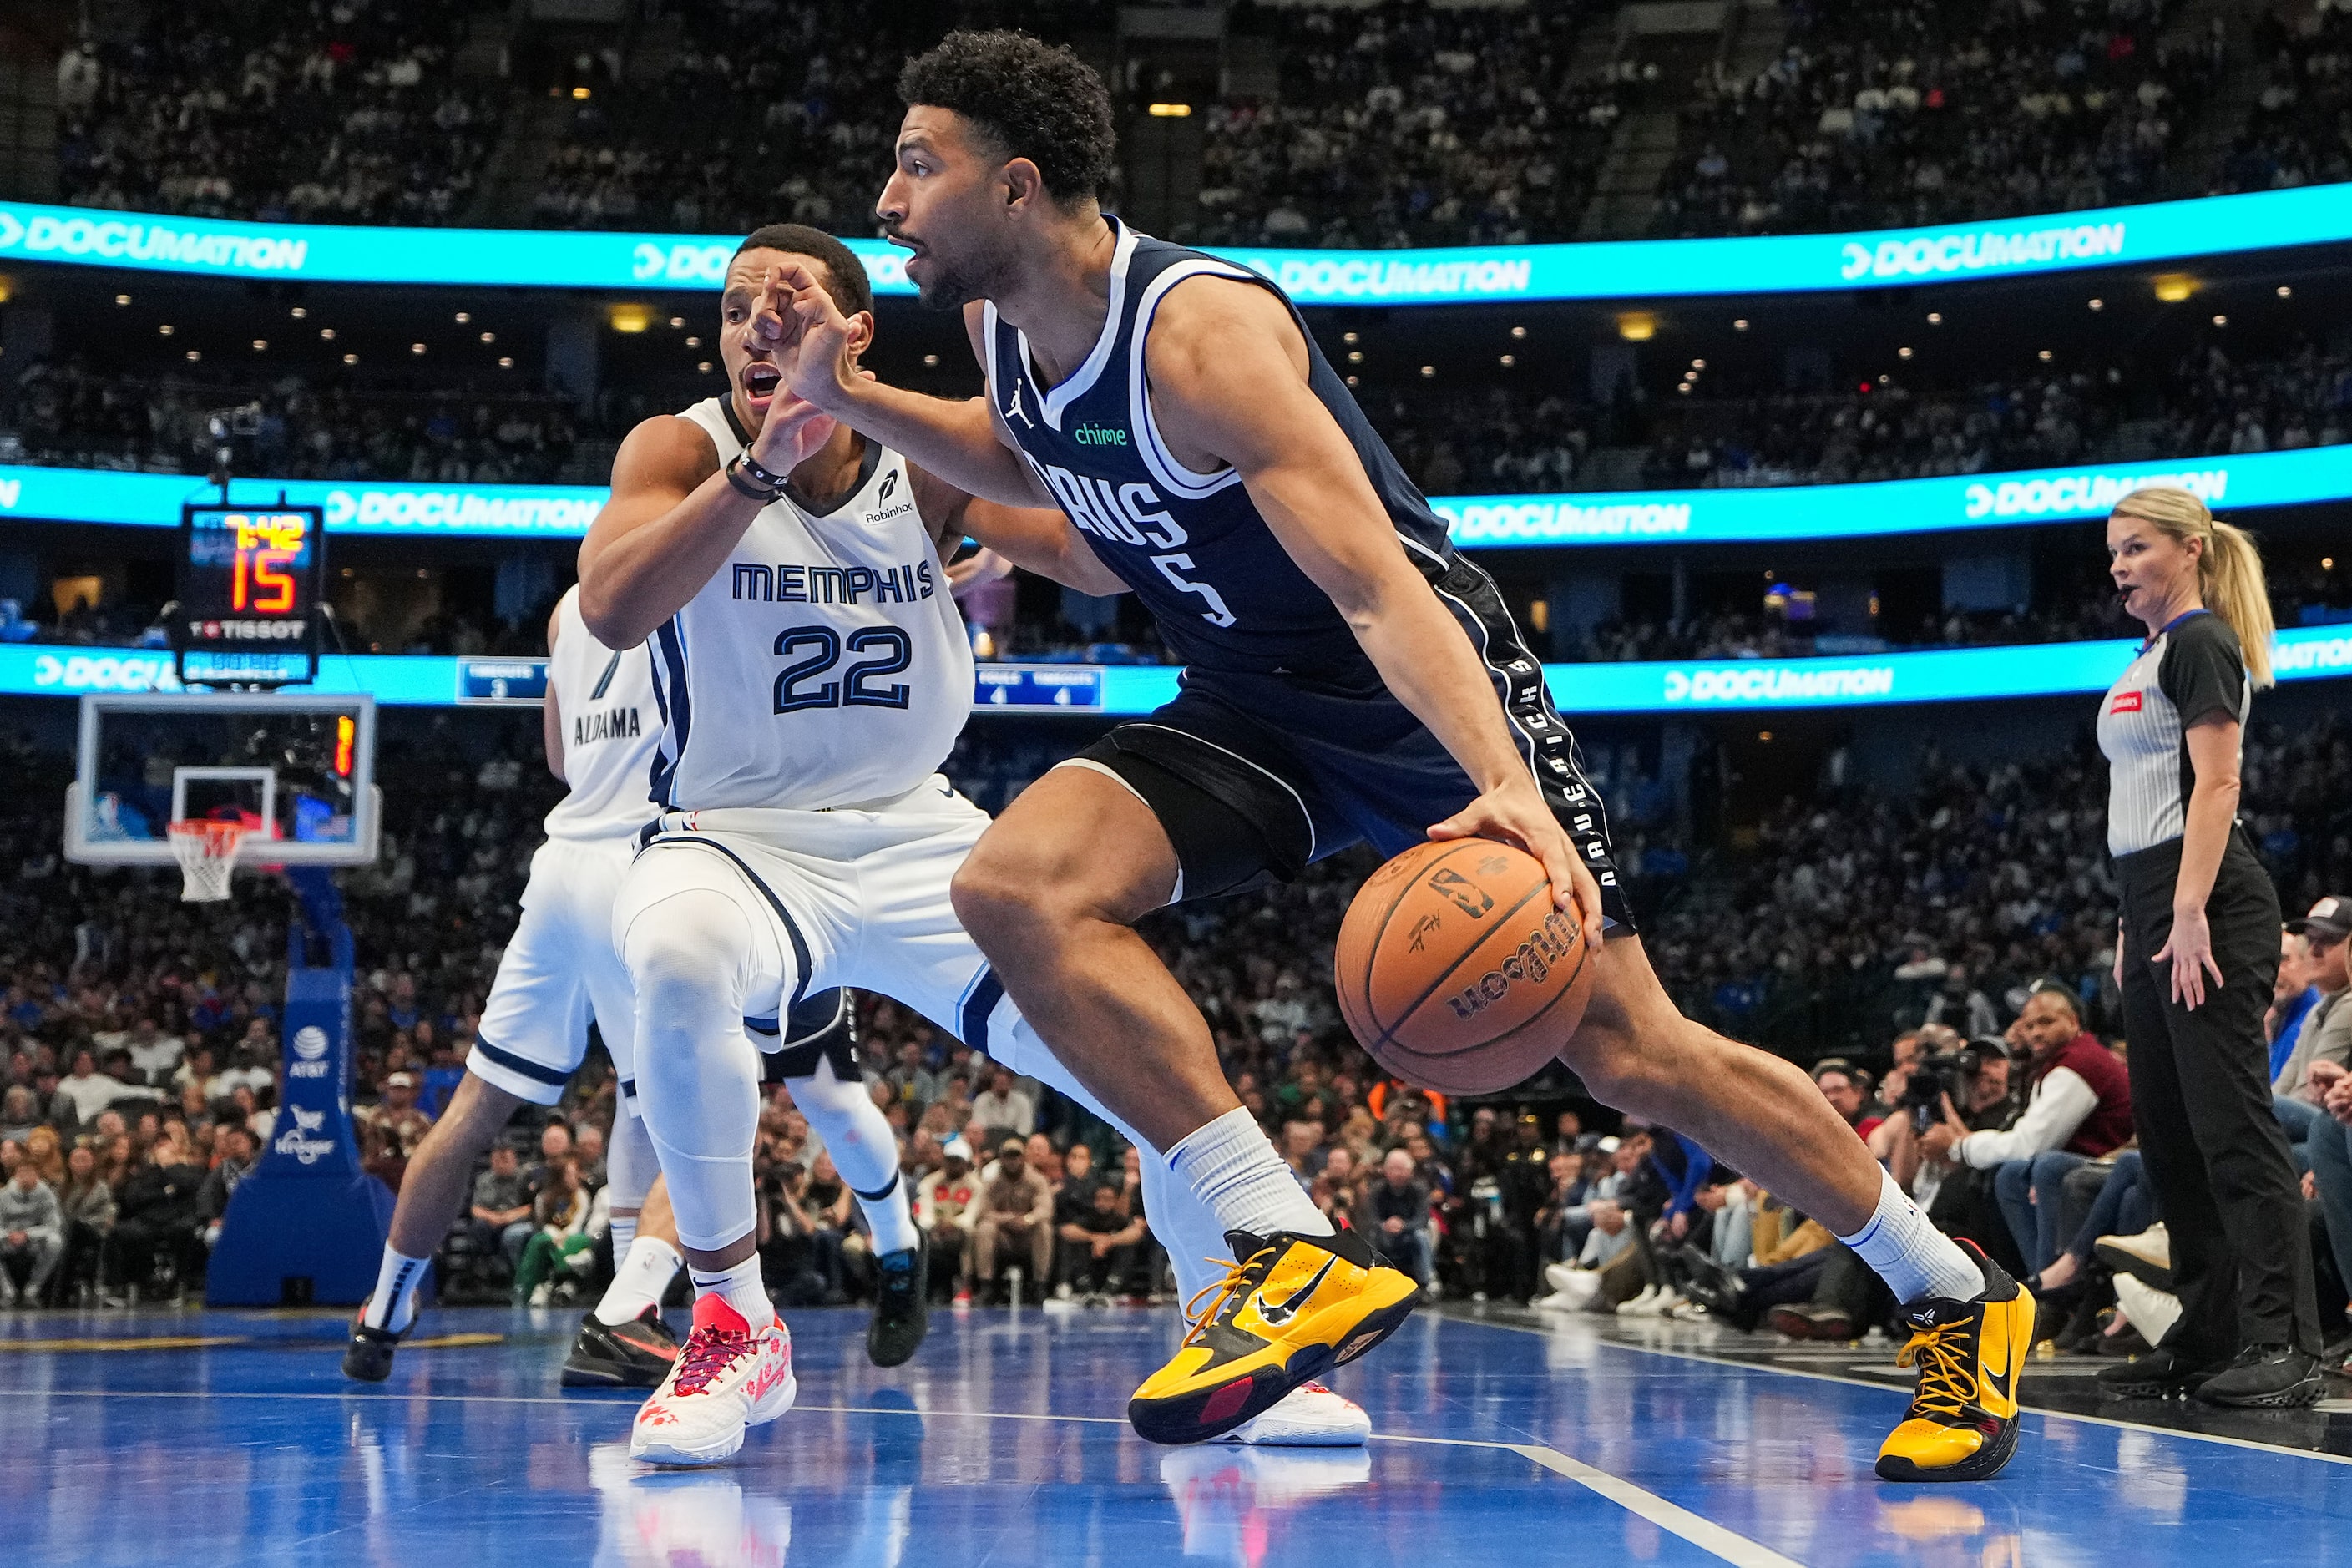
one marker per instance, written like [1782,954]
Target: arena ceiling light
[629,318]
[1637,326]
[1170,112]
[2172,288]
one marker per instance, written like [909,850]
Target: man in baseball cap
[2325,1030]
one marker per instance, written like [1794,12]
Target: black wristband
[749,488]
[752,467]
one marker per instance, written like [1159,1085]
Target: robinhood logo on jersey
[1545,520]
[1979,250]
[1311,279]
[2067,495]
[460,512]
[167,244]
[1778,683]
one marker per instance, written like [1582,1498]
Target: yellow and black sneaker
[1289,1309]
[1963,1421]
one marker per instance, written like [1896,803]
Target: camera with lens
[1945,1072]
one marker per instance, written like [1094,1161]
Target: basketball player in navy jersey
[811,673]
[1350,678]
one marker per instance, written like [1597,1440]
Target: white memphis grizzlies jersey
[605,699]
[824,663]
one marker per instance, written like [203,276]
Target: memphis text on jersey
[834,584]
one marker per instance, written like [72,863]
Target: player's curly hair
[1033,99]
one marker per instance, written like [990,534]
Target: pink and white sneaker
[726,1380]
[1308,1416]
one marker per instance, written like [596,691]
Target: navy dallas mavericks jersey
[1283,719]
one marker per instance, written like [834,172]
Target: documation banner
[1486,523]
[2049,669]
[332,253]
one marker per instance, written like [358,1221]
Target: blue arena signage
[1768,514]
[1628,270]
[2046,670]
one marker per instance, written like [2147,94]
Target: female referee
[2197,950]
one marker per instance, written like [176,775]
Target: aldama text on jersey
[824,665]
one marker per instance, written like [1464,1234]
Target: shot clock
[251,578]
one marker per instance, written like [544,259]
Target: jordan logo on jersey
[832,585]
[605,724]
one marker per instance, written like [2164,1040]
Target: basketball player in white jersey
[558,972]
[812,674]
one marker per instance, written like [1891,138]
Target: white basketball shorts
[846,897]
[560,971]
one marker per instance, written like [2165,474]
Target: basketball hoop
[206,851]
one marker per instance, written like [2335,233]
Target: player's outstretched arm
[1228,372]
[1031,538]
[958,441]
[671,520]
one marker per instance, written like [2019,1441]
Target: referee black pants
[2209,1147]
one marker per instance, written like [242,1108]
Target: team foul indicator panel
[249,585]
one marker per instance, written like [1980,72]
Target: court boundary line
[1705,1360]
[1717,1541]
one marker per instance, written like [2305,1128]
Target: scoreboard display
[251,581]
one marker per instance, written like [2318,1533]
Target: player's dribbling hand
[1516,812]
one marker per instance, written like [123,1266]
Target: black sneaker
[2265,1377]
[635,1354]
[368,1357]
[1711,1285]
[2162,1373]
[1810,1320]
[902,1306]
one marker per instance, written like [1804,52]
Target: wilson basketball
[1456,970]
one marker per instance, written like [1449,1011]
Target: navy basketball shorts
[1254,777]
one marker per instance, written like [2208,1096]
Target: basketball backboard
[295,770]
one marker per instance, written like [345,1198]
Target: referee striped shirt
[2191,670]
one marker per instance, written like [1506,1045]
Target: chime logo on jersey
[605,724]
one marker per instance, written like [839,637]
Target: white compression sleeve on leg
[864,1149]
[630,1164]
[698,1071]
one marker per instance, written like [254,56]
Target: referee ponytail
[2229,567]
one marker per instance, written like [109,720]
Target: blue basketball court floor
[231,1438]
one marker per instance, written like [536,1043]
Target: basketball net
[207,852]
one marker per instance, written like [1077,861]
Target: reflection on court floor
[231,1438]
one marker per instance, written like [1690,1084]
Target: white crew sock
[1195,1242]
[1231,1168]
[1914,1258]
[639,1279]
[394,1304]
[741,1288]
[864,1151]
[624,1235]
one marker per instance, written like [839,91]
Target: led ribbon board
[1770,514]
[1628,270]
[1978,674]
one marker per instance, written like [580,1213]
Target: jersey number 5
[890,653]
[1217,615]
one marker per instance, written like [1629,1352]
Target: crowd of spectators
[139,1047]
[1935,112]
[2300,132]
[1402,124]
[325,111]
[295,425]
